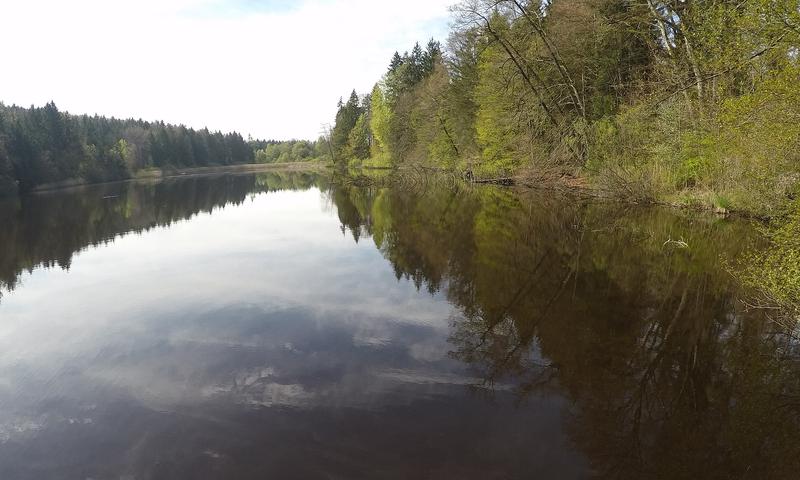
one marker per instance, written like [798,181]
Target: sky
[267,68]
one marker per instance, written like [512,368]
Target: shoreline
[162,174]
[581,187]
[575,185]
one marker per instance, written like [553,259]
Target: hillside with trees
[678,101]
[42,145]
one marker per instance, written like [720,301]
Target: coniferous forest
[42,145]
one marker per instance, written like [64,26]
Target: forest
[41,145]
[677,101]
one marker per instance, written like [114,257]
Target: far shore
[159,173]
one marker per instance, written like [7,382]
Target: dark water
[278,326]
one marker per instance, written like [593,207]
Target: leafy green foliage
[385,124]
[285,152]
[359,138]
[775,270]
[661,100]
[379,122]
[346,118]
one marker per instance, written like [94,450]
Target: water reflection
[491,334]
[48,229]
[668,376]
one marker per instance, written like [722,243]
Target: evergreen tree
[432,54]
[395,63]
[417,65]
[346,119]
[359,138]
[41,145]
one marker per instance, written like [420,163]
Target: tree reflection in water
[669,376]
[48,229]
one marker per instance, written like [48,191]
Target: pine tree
[432,53]
[395,63]
[416,72]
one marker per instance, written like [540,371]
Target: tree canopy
[40,145]
[671,100]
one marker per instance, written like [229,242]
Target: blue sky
[270,68]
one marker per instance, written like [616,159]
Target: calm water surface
[278,326]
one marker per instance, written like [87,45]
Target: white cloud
[272,69]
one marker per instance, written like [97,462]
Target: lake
[280,325]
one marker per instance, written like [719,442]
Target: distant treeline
[679,101]
[273,151]
[40,145]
